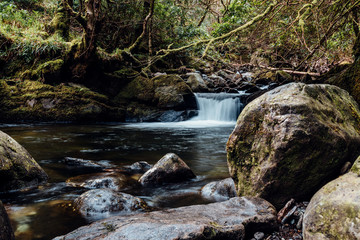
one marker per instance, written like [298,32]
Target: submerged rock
[112,180]
[17,168]
[6,232]
[138,167]
[226,220]
[334,211]
[169,169]
[101,203]
[220,190]
[82,163]
[292,140]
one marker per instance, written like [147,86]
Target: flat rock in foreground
[224,220]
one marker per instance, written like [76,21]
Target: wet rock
[217,81]
[82,163]
[112,180]
[225,220]
[169,169]
[6,232]
[173,116]
[334,211]
[138,167]
[102,203]
[220,190]
[196,82]
[17,168]
[292,140]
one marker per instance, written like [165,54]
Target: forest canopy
[144,34]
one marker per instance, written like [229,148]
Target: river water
[47,211]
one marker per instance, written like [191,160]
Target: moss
[35,101]
[140,89]
[45,71]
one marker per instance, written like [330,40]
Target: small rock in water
[112,180]
[78,162]
[138,167]
[102,203]
[169,169]
[220,190]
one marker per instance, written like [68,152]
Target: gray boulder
[220,190]
[169,169]
[102,203]
[291,141]
[334,211]
[17,168]
[196,82]
[6,232]
[225,220]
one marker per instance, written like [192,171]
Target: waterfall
[223,107]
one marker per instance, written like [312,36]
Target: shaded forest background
[104,43]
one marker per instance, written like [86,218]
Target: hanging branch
[165,52]
[145,24]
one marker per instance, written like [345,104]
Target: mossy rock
[17,168]
[171,92]
[35,101]
[49,71]
[140,89]
[334,211]
[148,96]
[292,140]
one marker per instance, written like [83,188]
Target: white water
[222,107]
[215,110]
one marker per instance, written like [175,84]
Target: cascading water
[223,107]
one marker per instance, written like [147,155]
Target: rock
[171,92]
[17,168]
[81,163]
[6,232]
[138,167]
[292,140]
[220,190]
[173,116]
[285,210]
[102,203]
[196,82]
[334,211]
[170,168]
[217,81]
[112,180]
[225,220]
[144,96]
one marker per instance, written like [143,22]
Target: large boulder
[170,168]
[17,168]
[6,232]
[291,141]
[334,211]
[102,203]
[163,92]
[225,220]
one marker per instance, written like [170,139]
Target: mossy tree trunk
[61,21]
[82,58]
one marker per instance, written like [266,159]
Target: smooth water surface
[47,212]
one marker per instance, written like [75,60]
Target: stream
[47,211]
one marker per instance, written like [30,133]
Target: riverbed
[47,211]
